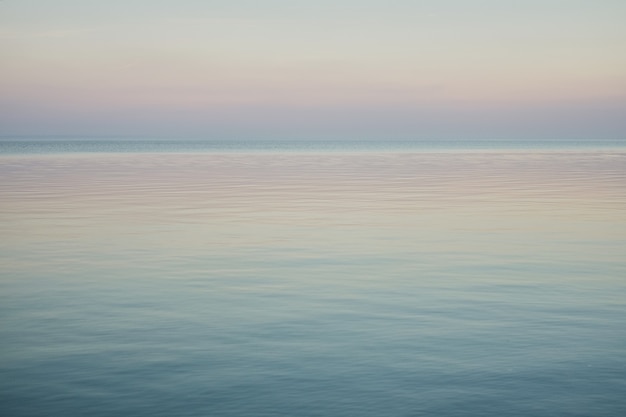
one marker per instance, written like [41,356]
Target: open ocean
[302,279]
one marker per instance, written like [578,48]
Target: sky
[324,69]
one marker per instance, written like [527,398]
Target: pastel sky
[399,69]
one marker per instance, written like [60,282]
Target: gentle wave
[357,284]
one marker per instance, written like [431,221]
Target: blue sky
[550,69]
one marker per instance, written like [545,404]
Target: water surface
[313,281]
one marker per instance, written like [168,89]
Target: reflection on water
[314,284]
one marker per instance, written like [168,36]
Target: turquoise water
[57,146]
[148,278]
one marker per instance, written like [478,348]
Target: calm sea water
[312,279]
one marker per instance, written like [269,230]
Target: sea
[197,278]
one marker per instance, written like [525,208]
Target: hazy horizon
[279,69]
